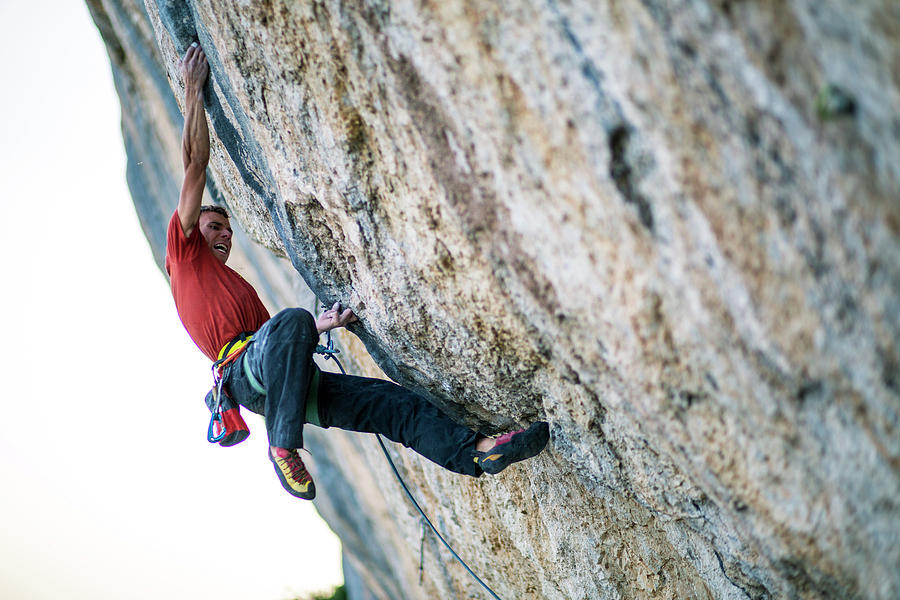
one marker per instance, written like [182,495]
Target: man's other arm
[195,138]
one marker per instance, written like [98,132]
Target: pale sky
[108,487]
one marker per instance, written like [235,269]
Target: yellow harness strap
[234,346]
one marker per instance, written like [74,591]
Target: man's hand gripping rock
[334,317]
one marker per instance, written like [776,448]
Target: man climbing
[268,366]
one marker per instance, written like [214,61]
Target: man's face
[216,230]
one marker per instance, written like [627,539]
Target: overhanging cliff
[668,228]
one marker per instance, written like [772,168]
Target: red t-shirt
[215,304]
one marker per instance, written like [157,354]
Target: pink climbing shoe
[292,473]
[513,447]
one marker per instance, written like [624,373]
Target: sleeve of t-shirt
[180,248]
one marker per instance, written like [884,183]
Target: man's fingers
[194,53]
[338,315]
[194,66]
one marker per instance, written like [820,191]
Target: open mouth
[221,248]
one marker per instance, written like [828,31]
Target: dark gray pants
[280,357]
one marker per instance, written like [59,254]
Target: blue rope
[329,353]
[428,521]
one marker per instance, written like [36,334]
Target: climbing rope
[329,352]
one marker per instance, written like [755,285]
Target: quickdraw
[217,418]
[226,426]
[330,352]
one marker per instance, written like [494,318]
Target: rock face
[668,228]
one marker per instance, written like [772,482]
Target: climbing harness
[226,426]
[330,353]
[232,349]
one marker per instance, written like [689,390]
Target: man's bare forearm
[195,137]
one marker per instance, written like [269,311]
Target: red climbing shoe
[292,473]
[513,447]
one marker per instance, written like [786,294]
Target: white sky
[108,487]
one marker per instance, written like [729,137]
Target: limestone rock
[668,228]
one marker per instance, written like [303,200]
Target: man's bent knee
[298,320]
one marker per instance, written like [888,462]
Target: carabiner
[211,437]
[216,416]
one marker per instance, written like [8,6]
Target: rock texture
[668,228]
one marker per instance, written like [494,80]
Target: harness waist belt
[235,345]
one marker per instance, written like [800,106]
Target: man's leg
[377,406]
[280,358]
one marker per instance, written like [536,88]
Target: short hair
[215,209]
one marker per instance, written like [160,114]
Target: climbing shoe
[292,473]
[513,447]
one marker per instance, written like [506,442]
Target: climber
[269,367]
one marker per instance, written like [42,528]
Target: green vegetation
[339,593]
[833,102]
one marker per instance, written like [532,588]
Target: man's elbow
[194,156]
[195,167]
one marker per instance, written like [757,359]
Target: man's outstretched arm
[195,138]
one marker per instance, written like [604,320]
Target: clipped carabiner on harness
[212,437]
[216,417]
